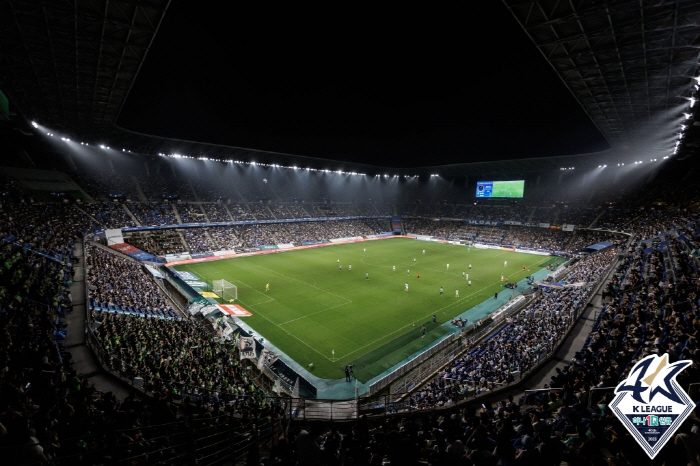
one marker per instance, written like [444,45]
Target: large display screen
[500,188]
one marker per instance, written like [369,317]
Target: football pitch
[316,312]
[508,189]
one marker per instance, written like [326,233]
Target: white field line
[430,314]
[312,286]
[290,334]
[416,264]
[349,301]
[269,298]
[252,307]
[314,313]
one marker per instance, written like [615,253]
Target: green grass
[508,188]
[313,308]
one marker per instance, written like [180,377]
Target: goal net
[226,290]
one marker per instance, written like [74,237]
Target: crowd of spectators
[592,267]
[191,213]
[161,183]
[153,214]
[225,238]
[216,212]
[171,356]
[210,239]
[508,235]
[506,434]
[109,214]
[651,308]
[519,344]
[37,385]
[260,211]
[121,283]
[581,216]
[198,240]
[101,184]
[49,228]
[156,242]
[297,211]
[49,414]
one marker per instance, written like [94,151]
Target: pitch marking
[431,313]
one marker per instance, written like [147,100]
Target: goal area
[227,291]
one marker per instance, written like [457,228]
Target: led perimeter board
[500,188]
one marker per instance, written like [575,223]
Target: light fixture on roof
[34,124]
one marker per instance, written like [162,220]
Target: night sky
[396,88]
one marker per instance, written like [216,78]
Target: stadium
[238,237]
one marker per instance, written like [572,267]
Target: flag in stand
[295,390]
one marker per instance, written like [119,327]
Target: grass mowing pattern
[313,307]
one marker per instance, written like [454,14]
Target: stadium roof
[627,62]
[71,64]
[630,64]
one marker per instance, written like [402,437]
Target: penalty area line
[288,333]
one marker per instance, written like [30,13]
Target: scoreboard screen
[500,188]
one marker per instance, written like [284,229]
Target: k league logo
[651,404]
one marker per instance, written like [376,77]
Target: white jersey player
[406,286]
[394,267]
[456,293]
[448,266]
[505,263]
[350,267]
[466,277]
[423,251]
[501,277]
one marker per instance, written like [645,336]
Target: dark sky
[400,87]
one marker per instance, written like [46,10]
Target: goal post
[227,291]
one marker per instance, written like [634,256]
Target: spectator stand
[490,390]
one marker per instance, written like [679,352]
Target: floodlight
[34,124]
